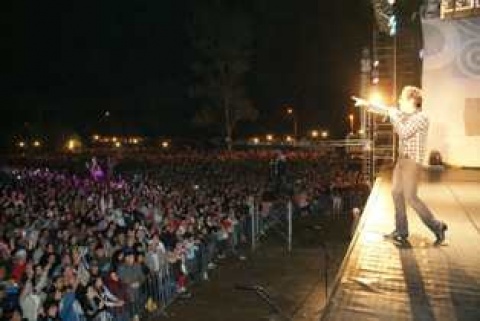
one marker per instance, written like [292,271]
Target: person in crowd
[61,231]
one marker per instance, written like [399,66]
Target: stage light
[376,98]
[383,12]
[432,8]
[375,76]
[392,25]
[351,122]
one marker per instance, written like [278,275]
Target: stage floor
[382,281]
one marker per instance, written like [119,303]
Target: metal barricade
[148,300]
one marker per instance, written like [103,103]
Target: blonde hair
[415,93]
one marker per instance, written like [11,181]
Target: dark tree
[223,40]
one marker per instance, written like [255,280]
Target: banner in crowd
[451,84]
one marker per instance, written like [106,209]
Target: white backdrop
[451,85]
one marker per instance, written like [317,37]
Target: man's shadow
[420,306]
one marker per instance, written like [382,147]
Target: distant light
[114,139]
[107,113]
[376,63]
[290,110]
[256,140]
[324,134]
[72,144]
[96,137]
[314,133]
[269,137]
[375,80]
[289,138]
[21,144]
[165,144]
[36,143]
[118,144]
[135,141]
[361,131]
[391,2]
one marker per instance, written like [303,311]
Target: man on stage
[411,125]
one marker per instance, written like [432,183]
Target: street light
[292,112]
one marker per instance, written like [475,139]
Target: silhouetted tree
[222,38]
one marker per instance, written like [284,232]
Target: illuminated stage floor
[381,281]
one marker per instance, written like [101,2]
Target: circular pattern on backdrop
[441,44]
[468,59]
[470,27]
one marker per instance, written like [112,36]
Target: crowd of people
[78,247]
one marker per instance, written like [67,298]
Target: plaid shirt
[412,132]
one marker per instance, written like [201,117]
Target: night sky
[70,61]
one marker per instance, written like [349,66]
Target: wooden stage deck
[382,281]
